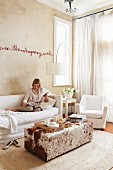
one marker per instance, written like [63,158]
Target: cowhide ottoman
[48,145]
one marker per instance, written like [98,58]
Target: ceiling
[83,6]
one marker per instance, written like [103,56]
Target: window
[63,50]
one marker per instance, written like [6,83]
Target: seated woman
[33,98]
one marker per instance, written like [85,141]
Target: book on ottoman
[75,118]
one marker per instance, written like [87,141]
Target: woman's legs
[24,109]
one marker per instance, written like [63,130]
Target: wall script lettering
[31,52]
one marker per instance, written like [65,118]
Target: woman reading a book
[35,96]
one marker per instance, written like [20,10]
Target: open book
[33,104]
[42,105]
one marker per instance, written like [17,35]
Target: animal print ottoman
[48,145]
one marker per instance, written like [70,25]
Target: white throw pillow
[52,101]
[46,105]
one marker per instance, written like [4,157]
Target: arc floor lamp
[55,68]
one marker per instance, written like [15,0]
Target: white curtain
[93,57]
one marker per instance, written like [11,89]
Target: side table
[68,101]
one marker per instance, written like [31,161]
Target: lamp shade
[56,69]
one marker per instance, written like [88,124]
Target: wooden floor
[109,127]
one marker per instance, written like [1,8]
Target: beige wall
[30,25]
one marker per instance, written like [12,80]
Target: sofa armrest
[59,102]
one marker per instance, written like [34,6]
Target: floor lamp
[55,69]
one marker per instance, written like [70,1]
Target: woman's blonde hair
[36,81]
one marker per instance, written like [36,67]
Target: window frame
[69,24]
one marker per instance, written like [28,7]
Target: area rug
[95,155]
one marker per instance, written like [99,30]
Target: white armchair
[94,108]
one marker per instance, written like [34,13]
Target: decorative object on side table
[68,93]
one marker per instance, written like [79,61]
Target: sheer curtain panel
[93,57]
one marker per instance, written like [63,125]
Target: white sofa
[24,119]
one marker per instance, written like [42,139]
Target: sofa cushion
[11,101]
[28,117]
[92,114]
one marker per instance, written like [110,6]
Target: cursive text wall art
[31,52]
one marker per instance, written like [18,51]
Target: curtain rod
[93,13]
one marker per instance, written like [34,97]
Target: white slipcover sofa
[23,119]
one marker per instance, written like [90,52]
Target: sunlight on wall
[108,29]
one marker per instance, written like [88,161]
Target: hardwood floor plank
[109,127]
